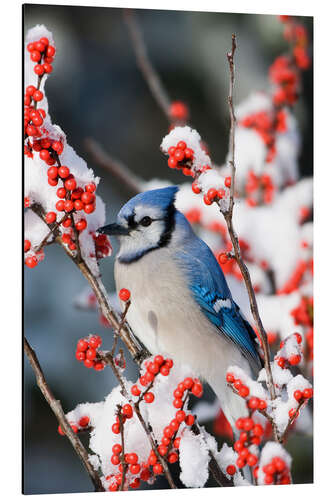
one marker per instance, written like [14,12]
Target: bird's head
[144,223]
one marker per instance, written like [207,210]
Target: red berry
[115,460]
[211,194]
[240,423]
[164,370]
[248,424]
[27,245]
[91,187]
[50,51]
[31,261]
[61,192]
[66,238]
[172,458]
[253,403]
[149,397]
[31,130]
[52,182]
[298,395]
[89,208]
[244,391]
[230,378]
[77,193]
[308,393]
[180,415]
[44,40]
[88,363]
[84,421]
[48,68]
[52,172]
[35,56]
[131,458]
[178,111]
[188,382]
[127,411]
[117,449]
[163,450]
[115,428]
[87,197]
[227,182]
[40,46]
[91,354]
[158,359]
[179,155]
[172,162]
[30,90]
[177,403]
[240,463]
[95,341]
[268,479]
[158,469]
[124,294]
[70,184]
[262,404]
[68,206]
[61,432]
[195,188]
[57,147]
[189,420]
[189,153]
[237,384]
[298,338]
[82,345]
[176,442]
[153,368]
[63,172]
[238,446]
[39,69]
[231,470]
[252,460]
[295,359]
[37,95]
[279,464]
[207,200]
[258,430]
[135,390]
[81,224]
[135,469]
[197,390]
[78,205]
[67,222]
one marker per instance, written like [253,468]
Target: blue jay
[181,303]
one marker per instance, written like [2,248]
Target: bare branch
[103,159]
[143,62]
[56,407]
[233,236]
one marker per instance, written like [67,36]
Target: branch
[56,407]
[228,214]
[99,156]
[150,75]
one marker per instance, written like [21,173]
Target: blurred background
[96,90]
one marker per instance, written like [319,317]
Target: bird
[180,300]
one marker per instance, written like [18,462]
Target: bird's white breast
[165,317]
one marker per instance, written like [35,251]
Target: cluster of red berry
[296,34]
[244,392]
[212,193]
[179,112]
[303,313]
[170,441]
[259,188]
[181,157]
[294,358]
[295,279]
[300,397]
[82,424]
[32,260]
[86,351]
[42,53]
[276,472]
[251,434]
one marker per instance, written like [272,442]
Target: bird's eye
[146,221]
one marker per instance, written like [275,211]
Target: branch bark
[228,216]
[56,407]
[150,75]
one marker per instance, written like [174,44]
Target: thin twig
[56,407]
[103,159]
[228,215]
[142,59]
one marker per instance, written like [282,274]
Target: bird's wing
[211,292]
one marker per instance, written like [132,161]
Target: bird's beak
[114,229]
